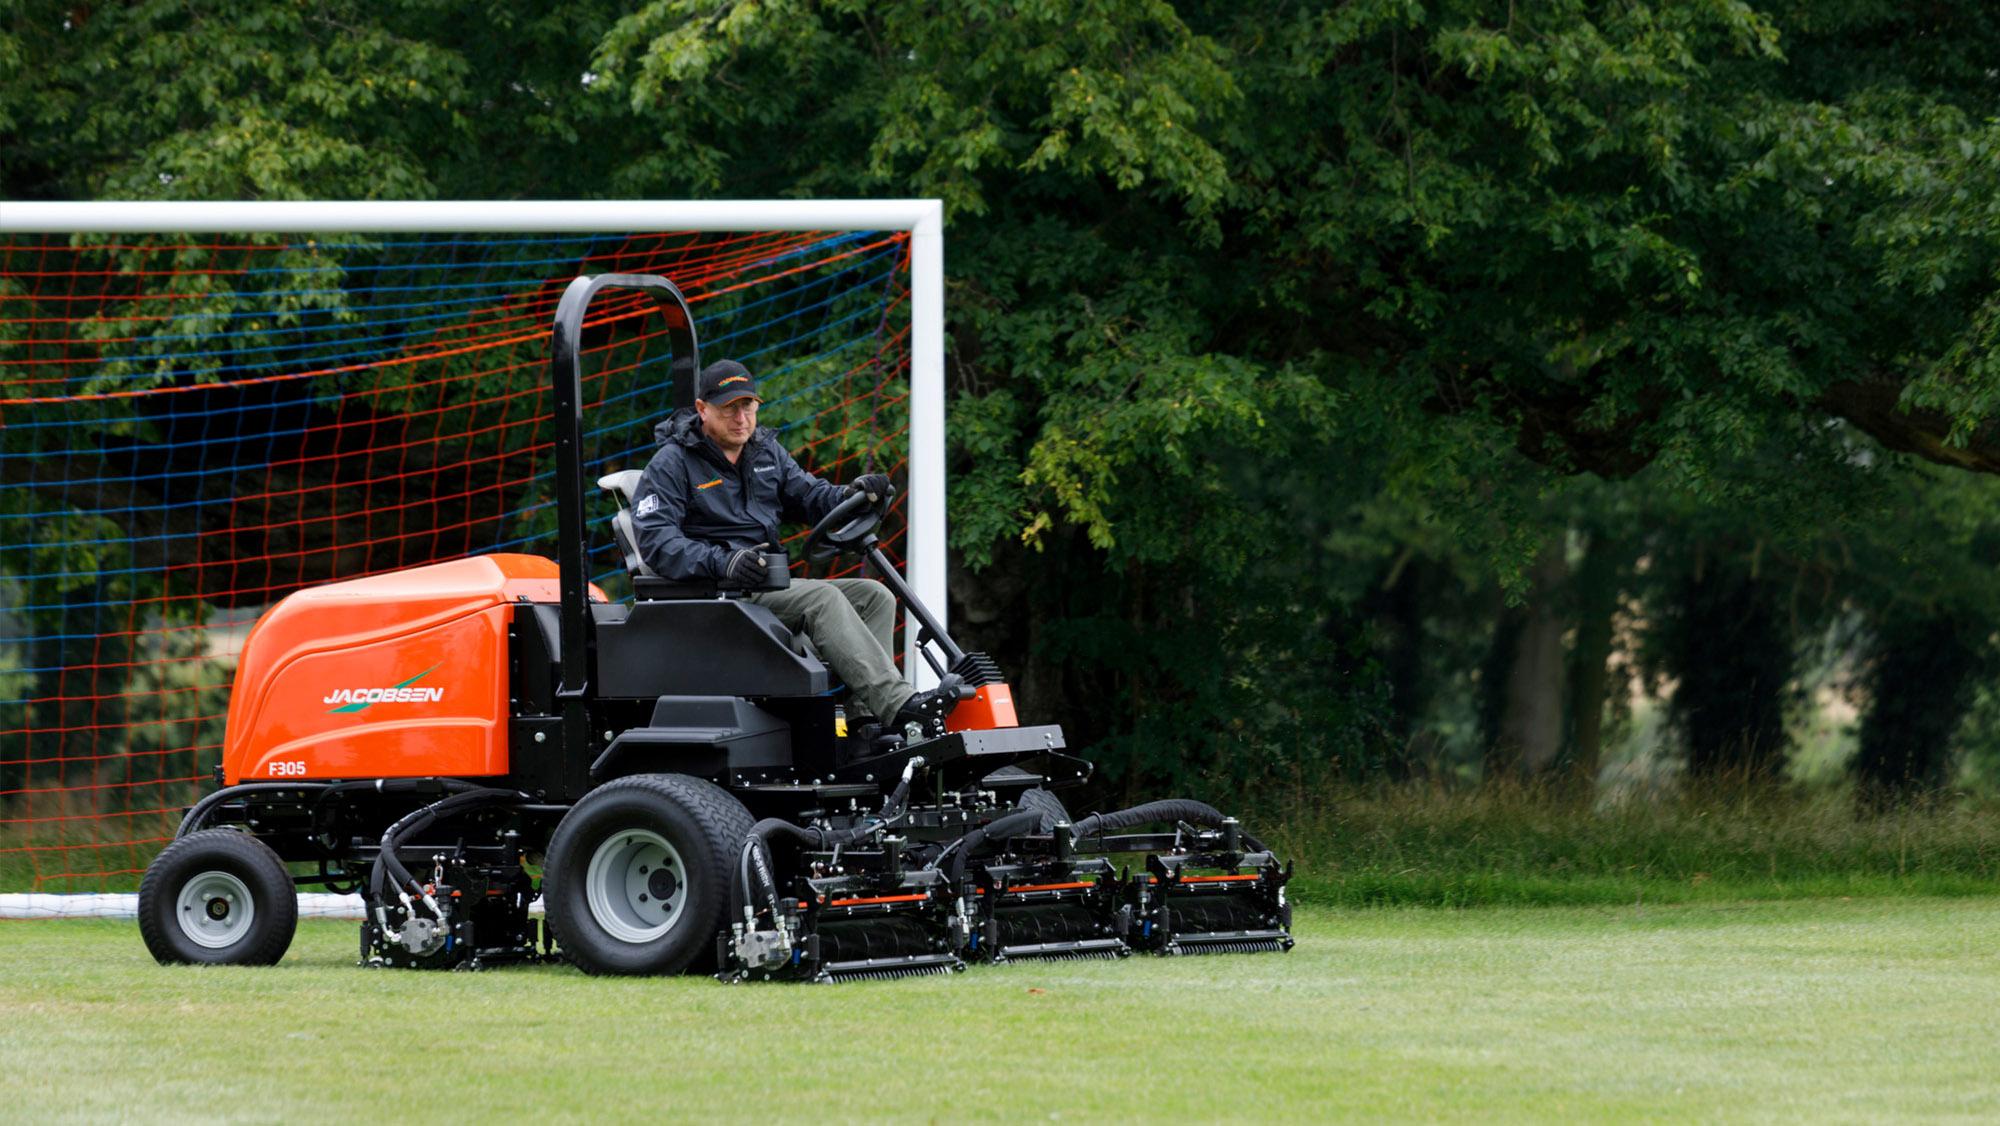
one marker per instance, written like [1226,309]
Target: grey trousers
[853,623]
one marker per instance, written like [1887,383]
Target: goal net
[194,426]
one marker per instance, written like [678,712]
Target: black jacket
[692,508]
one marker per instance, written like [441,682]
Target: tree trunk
[1921,683]
[1395,609]
[1597,604]
[1731,655]
[1527,738]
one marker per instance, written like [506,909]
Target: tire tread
[266,874]
[1049,805]
[723,822]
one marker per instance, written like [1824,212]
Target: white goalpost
[922,218]
[924,551]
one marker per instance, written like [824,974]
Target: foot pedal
[922,716]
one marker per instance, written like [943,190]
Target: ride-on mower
[692,789]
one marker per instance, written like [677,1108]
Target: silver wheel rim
[214,910]
[636,885]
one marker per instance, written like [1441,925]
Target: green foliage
[408,99]
[1247,302]
[933,101]
[153,353]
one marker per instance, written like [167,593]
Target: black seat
[646,584]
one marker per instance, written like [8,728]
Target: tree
[1226,279]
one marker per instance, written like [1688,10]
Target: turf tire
[704,823]
[206,855]
[1049,805]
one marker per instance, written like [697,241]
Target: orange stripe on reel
[1053,887]
[878,899]
[1216,879]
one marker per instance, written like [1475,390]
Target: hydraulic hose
[999,829]
[388,865]
[1170,809]
[755,871]
[898,802]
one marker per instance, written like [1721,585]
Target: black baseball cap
[725,381]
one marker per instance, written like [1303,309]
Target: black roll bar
[566,382]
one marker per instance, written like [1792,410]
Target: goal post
[922,218]
[147,382]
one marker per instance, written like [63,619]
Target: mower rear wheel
[218,897]
[1047,804]
[638,873]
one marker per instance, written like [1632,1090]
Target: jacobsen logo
[356,699]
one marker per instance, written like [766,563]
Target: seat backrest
[621,485]
[647,585]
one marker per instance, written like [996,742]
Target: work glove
[876,485]
[746,567]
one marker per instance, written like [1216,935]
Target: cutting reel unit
[894,893]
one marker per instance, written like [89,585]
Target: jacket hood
[683,426]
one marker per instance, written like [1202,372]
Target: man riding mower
[674,769]
[708,507]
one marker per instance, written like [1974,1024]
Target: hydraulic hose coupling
[382,921]
[961,924]
[755,949]
[900,796]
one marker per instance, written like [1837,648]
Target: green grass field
[1816,1009]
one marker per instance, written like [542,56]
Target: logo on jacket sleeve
[709,484]
[648,503]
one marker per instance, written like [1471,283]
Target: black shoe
[927,709]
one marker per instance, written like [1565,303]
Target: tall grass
[63,843]
[1510,845]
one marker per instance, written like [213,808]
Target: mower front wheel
[638,873]
[218,897]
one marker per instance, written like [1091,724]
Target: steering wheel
[850,527]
